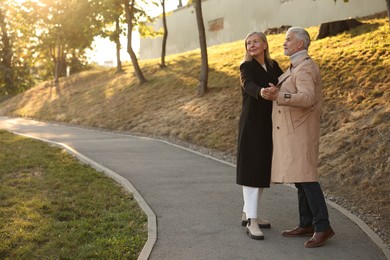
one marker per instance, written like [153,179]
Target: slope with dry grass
[354,155]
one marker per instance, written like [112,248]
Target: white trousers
[251,200]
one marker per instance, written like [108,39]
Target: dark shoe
[262,222]
[319,238]
[299,232]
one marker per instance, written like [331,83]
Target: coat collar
[298,57]
[258,64]
[295,59]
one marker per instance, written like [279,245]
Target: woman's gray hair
[267,56]
[301,34]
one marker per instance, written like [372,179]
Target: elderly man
[296,132]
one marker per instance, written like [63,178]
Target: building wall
[231,20]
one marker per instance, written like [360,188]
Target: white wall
[243,16]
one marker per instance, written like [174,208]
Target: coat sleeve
[248,80]
[304,92]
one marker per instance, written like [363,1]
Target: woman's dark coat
[254,153]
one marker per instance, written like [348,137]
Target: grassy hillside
[355,161]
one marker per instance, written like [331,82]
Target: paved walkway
[193,202]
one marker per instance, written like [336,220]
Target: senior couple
[279,130]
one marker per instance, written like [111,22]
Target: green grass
[54,207]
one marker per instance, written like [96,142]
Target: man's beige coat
[296,123]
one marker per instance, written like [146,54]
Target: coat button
[277,127]
[279,111]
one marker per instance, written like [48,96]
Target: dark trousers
[312,206]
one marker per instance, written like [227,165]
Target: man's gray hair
[301,34]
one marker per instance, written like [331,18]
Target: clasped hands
[270,93]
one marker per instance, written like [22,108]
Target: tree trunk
[6,58]
[203,49]
[337,27]
[63,63]
[165,37]
[57,65]
[129,9]
[388,10]
[118,46]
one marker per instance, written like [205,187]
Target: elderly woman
[254,153]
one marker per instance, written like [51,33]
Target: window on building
[216,25]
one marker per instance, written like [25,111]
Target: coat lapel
[283,77]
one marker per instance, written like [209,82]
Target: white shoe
[262,222]
[253,230]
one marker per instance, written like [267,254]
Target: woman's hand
[270,93]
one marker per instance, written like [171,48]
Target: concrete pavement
[192,201]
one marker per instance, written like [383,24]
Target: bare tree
[116,39]
[129,10]
[6,56]
[204,71]
[165,36]
[110,13]
[180,4]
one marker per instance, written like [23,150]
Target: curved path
[193,203]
